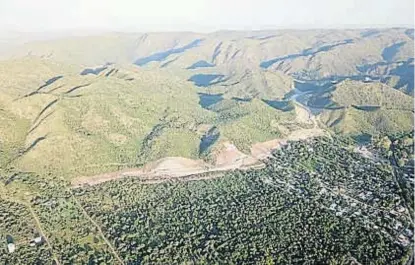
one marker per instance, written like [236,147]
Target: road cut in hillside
[179,168]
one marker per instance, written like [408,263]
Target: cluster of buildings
[11,245]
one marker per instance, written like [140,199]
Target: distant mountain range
[91,104]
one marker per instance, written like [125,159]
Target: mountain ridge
[129,99]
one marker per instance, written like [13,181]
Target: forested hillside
[231,147]
[111,101]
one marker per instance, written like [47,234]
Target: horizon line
[224,29]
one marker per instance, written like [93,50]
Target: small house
[38,240]
[11,247]
[403,240]
[400,209]
[408,232]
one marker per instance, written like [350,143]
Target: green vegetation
[240,123]
[399,149]
[18,228]
[316,202]
[33,206]
[81,125]
[368,108]
[79,106]
[355,93]
[330,206]
[91,105]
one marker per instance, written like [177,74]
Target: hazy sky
[201,15]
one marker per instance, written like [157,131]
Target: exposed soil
[362,150]
[264,149]
[179,168]
[229,157]
[97,179]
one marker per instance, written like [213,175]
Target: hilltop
[86,105]
[88,122]
[266,147]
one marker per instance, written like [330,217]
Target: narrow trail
[114,252]
[38,224]
[286,187]
[348,197]
[395,175]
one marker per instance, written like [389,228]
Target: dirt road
[228,158]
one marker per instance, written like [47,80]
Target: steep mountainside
[57,119]
[86,105]
[227,57]
[364,108]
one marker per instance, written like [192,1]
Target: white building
[403,240]
[11,247]
[38,240]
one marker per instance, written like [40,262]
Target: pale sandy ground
[363,151]
[264,149]
[304,116]
[227,158]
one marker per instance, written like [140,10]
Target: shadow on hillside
[50,81]
[306,52]
[32,145]
[282,105]
[200,64]
[36,125]
[204,80]
[242,99]
[404,70]
[94,71]
[207,100]
[410,33]
[338,120]
[406,74]
[49,105]
[160,56]
[389,52]
[369,33]
[366,108]
[169,62]
[208,139]
[262,37]
[363,138]
[216,52]
[35,142]
[76,88]
[47,83]
[312,87]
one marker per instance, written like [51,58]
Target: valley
[230,147]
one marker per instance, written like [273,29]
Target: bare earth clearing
[179,168]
